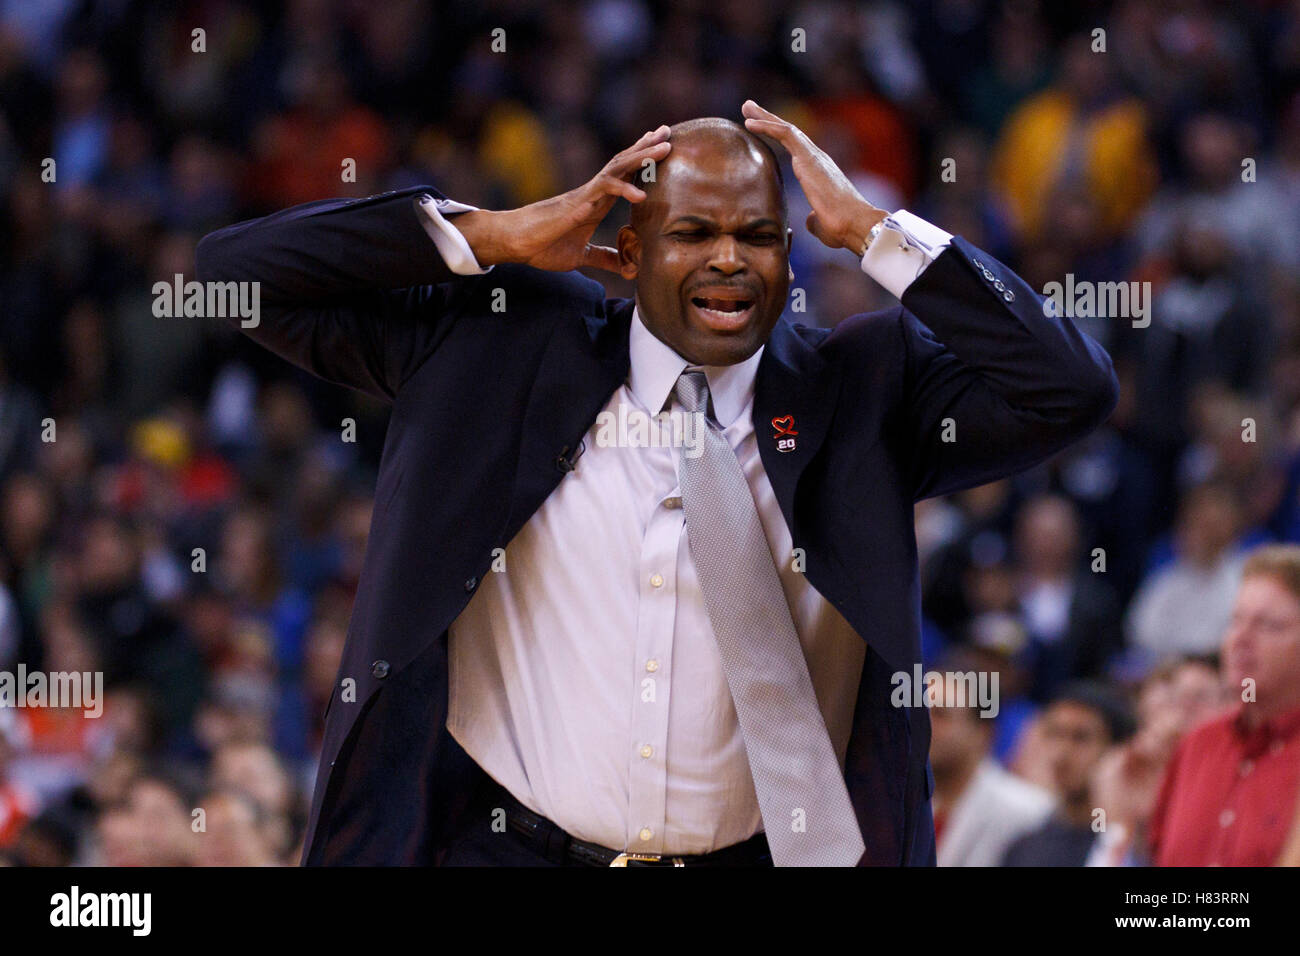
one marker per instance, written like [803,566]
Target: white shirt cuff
[902,250]
[452,245]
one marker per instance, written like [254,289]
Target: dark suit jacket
[489,408]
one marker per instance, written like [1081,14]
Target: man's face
[957,735]
[1196,692]
[1263,642]
[710,253]
[1075,737]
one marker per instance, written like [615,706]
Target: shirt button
[379,669]
[1010,296]
[646,833]
[471,584]
[1226,818]
[999,286]
[652,665]
[656,580]
[647,751]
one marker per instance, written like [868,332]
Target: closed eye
[754,239]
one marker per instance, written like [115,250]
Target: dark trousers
[476,843]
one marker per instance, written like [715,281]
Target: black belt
[556,845]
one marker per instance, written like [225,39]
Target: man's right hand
[555,234]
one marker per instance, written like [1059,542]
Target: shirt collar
[1279,727]
[655,368]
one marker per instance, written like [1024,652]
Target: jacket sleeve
[353,291]
[993,384]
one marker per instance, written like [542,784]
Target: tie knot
[692,391]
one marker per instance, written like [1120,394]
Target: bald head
[704,140]
[709,246]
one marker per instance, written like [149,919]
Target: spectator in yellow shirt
[1081,130]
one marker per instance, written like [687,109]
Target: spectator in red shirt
[17,804]
[1229,795]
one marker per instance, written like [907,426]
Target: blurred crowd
[185,513]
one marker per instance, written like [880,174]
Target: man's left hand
[840,217]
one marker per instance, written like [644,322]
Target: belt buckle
[624,858]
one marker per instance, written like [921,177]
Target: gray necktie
[797,778]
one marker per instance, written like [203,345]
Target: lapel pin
[784,437]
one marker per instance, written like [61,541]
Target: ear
[629,252]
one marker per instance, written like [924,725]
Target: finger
[625,160]
[759,120]
[623,164]
[613,186]
[607,188]
[752,111]
[766,127]
[647,139]
[600,257]
[780,131]
[657,133]
[620,160]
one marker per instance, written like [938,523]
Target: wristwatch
[871,236]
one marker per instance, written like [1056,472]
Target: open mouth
[723,314]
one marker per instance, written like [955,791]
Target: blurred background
[177,434]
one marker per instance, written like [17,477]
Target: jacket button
[471,584]
[379,669]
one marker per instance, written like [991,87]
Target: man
[1184,607]
[1078,728]
[979,808]
[567,651]
[1228,796]
[1071,614]
[1173,698]
[255,770]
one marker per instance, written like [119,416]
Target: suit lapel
[585,360]
[794,392]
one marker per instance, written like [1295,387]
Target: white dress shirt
[585,677]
